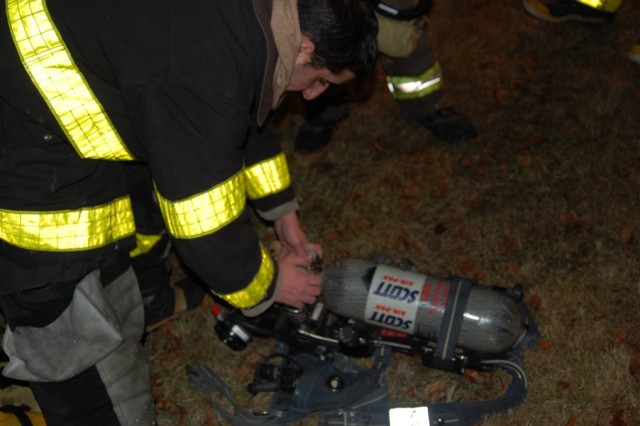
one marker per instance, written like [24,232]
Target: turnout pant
[86,366]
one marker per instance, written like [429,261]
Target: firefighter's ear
[307,47]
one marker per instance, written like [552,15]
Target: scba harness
[316,365]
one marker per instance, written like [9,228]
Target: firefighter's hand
[297,284]
[293,239]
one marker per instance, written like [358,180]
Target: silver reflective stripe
[415,87]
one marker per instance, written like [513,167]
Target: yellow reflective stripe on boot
[68,230]
[609,6]
[257,288]
[207,212]
[61,84]
[403,88]
[267,177]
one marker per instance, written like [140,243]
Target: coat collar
[284,38]
[288,38]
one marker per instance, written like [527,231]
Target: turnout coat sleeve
[269,185]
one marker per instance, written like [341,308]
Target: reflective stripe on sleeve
[257,288]
[56,76]
[68,230]
[206,212]
[267,177]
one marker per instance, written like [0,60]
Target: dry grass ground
[546,196]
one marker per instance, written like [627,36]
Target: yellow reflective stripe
[403,88]
[207,212]
[257,288]
[68,230]
[267,177]
[144,244]
[61,84]
[603,5]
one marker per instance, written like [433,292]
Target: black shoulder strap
[208,382]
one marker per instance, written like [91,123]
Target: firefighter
[185,89]
[414,78]
[589,11]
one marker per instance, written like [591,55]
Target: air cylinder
[415,303]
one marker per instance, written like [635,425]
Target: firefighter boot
[449,125]
[316,132]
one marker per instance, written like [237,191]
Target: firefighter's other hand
[292,237]
[298,284]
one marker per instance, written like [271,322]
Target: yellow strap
[206,212]
[267,177]
[257,288]
[61,84]
[11,419]
[610,6]
[144,244]
[68,230]
[403,87]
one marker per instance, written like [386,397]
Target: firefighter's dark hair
[343,32]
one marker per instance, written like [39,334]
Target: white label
[394,297]
[409,416]
[238,331]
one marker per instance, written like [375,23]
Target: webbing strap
[285,410]
[452,318]
[208,382]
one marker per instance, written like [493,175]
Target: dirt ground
[546,195]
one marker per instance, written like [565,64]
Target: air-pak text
[389,320]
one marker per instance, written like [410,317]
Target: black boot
[315,133]
[449,125]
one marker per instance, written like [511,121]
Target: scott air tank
[415,303]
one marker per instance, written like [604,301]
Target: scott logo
[396,292]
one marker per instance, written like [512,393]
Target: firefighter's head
[338,44]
